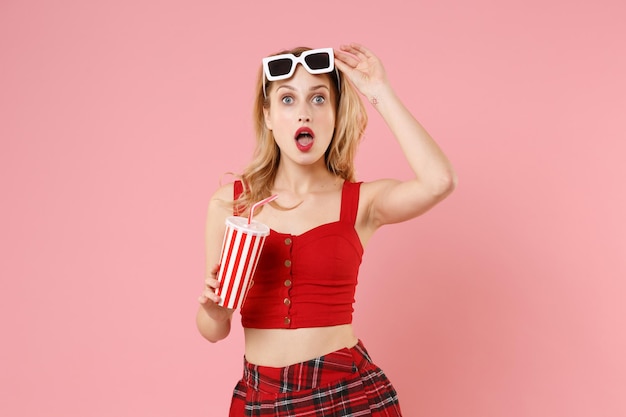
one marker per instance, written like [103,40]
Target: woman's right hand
[208,299]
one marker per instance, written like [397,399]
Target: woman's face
[301,116]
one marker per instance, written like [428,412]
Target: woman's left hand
[363,68]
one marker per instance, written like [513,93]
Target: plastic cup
[242,246]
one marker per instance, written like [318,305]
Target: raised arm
[393,201]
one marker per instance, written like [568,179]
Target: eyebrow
[315,87]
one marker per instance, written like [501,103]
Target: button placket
[288,283]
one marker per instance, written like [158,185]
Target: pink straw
[260,203]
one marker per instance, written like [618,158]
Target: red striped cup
[241,249]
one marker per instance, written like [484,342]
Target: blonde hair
[350,123]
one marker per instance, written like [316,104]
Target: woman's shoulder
[224,192]
[222,198]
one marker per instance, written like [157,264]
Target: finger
[212,283]
[343,67]
[209,295]
[358,50]
[346,59]
[212,273]
[361,49]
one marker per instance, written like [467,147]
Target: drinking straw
[260,203]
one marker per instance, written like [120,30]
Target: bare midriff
[283,347]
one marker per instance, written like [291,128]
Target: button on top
[287,263]
[288,241]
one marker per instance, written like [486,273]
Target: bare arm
[392,201]
[213,321]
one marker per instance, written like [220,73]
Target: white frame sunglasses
[306,58]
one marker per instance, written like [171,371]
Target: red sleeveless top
[307,280]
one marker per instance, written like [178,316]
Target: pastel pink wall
[118,119]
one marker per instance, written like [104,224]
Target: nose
[303,112]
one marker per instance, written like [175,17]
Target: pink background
[118,119]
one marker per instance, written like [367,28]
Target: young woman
[301,354]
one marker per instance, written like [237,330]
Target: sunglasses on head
[315,61]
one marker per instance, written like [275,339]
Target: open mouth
[304,139]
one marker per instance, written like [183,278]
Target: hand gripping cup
[243,242]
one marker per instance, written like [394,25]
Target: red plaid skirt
[343,383]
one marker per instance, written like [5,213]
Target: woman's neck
[301,179]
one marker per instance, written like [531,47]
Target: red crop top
[308,280]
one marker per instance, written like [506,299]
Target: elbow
[453,181]
[211,338]
[211,330]
[445,184]
[214,335]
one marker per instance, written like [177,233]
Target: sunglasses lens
[318,61]
[279,67]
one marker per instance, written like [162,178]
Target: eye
[319,99]
[287,100]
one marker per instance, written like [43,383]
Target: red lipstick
[304,138]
